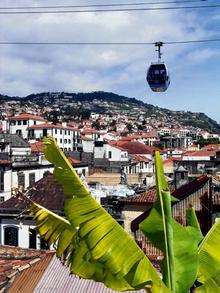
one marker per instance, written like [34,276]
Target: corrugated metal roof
[58,279]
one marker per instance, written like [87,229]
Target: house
[67,137]
[19,124]
[13,145]
[197,193]
[200,161]
[176,141]
[136,148]
[19,167]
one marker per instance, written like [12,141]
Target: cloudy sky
[194,68]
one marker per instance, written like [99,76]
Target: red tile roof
[135,147]
[139,158]
[200,153]
[149,196]
[37,147]
[14,260]
[89,131]
[73,161]
[54,199]
[4,162]
[26,116]
[48,125]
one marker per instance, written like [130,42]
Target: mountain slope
[107,102]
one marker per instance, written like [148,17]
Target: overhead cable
[103,5]
[111,10]
[109,43]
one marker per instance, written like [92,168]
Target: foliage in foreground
[95,246]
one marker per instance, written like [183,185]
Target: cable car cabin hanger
[157,75]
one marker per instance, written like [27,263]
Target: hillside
[107,102]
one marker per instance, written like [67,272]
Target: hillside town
[114,156]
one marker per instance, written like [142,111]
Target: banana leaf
[53,228]
[209,260]
[181,249]
[100,248]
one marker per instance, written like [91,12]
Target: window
[21,179]
[31,179]
[32,238]
[84,172]
[61,131]
[35,122]
[19,122]
[43,244]
[24,122]
[11,236]
[18,132]
[1,181]
[65,140]
[109,154]
[65,132]
[2,198]
[44,132]
[61,140]
[69,141]
[55,131]
[68,132]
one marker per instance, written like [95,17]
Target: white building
[67,137]
[19,124]
[21,174]
[104,150]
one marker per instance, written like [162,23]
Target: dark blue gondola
[157,75]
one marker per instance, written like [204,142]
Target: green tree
[96,247]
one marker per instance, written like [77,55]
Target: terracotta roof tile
[14,260]
[37,147]
[149,196]
[5,162]
[26,116]
[54,199]
[52,126]
[135,147]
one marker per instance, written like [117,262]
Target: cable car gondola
[157,75]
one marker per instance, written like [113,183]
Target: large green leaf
[184,247]
[102,250]
[53,228]
[209,260]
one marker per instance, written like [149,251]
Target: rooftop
[54,199]
[14,140]
[135,147]
[14,260]
[26,116]
[48,125]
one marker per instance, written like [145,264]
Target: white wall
[7,185]
[39,173]
[23,231]
[88,146]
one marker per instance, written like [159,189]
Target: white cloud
[202,55]
[85,68]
